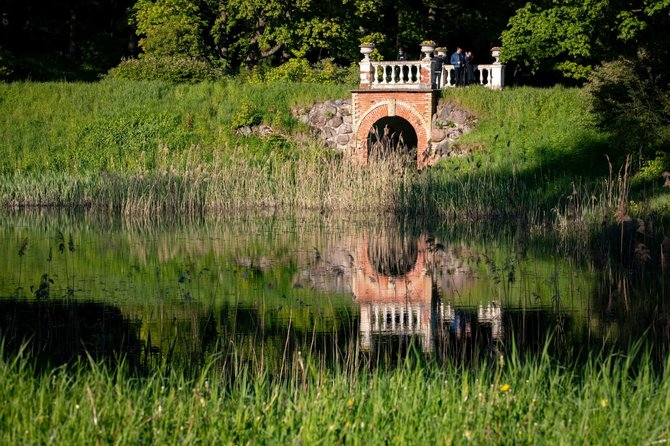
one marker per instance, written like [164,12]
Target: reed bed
[185,184]
[610,399]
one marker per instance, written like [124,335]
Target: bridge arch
[390,134]
[388,109]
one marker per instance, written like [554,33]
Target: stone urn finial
[495,52]
[427,48]
[366,50]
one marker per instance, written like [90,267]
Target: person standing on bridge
[469,68]
[457,62]
[436,67]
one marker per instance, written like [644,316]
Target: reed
[189,185]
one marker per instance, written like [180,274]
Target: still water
[261,288]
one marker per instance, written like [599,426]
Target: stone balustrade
[489,75]
[417,75]
[402,74]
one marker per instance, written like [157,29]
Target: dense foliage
[567,38]
[73,39]
[570,37]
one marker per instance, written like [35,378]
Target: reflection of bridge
[404,304]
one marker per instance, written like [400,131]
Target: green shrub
[295,70]
[630,97]
[246,116]
[165,68]
[325,71]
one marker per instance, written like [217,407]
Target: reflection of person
[457,62]
[469,68]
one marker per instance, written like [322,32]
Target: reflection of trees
[629,307]
[58,332]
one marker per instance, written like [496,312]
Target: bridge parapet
[411,75]
[418,75]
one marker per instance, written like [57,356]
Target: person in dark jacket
[436,68]
[469,68]
[458,62]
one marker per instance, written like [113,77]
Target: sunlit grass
[514,400]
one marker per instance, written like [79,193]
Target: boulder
[335,122]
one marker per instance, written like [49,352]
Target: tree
[570,37]
[630,95]
[247,31]
[171,28]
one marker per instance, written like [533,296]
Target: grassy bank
[151,148]
[609,400]
[119,126]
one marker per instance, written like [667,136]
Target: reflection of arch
[392,256]
[399,304]
[392,108]
[371,285]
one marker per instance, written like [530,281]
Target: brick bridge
[402,96]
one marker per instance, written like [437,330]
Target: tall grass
[516,400]
[188,184]
[151,148]
[116,125]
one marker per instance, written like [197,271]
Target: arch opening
[392,135]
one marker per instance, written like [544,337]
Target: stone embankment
[331,122]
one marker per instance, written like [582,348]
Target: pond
[265,289]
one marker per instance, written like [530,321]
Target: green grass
[143,148]
[608,400]
[118,125]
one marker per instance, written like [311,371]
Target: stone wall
[449,123]
[330,121]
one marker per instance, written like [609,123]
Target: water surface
[266,288]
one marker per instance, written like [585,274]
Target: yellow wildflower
[505,387]
[604,402]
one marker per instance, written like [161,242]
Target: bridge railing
[418,75]
[487,75]
[402,74]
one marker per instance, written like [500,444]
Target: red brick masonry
[415,106]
